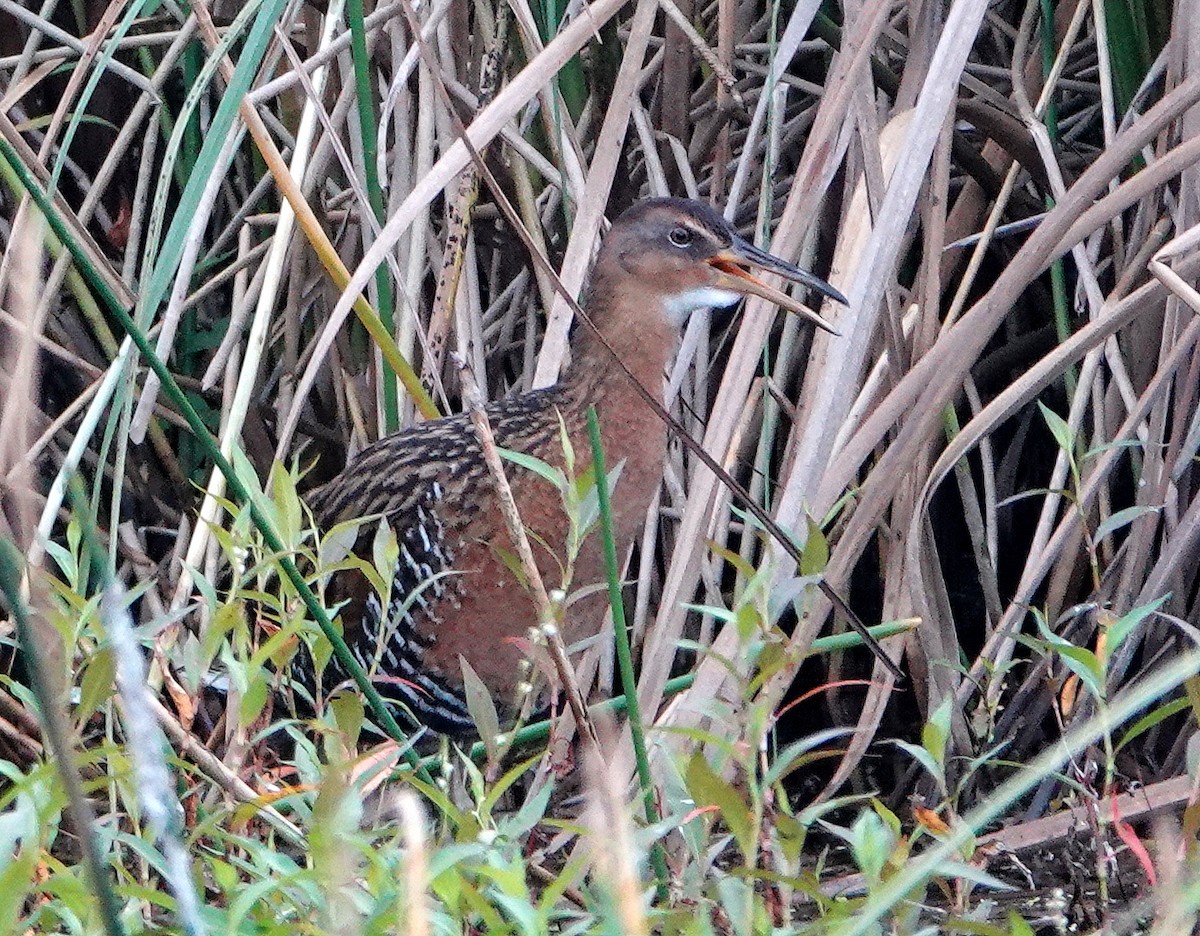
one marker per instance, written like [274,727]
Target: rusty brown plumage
[452,592]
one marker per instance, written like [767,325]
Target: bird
[453,593]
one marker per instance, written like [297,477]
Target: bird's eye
[680,237]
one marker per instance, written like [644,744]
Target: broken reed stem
[613,848]
[416,863]
[547,619]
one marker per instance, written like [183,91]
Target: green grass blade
[624,656]
[370,146]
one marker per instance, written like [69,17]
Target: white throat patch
[680,307]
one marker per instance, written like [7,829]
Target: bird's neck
[631,342]
[633,434]
[626,345]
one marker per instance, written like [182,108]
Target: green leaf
[17,875]
[1086,665]
[745,568]
[890,819]
[791,835]
[708,788]
[519,908]
[74,538]
[533,811]
[338,543]
[225,874]
[1080,661]
[973,873]
[1017,926]
[64,560]
[253,701]
[1120,519]
[537,466]
[287,500]
[1125,625]
[814,813]
[482,708]
[245,472]
[589,498]
[349,714]
[748,621]
[872,843]
[721,614]
[922,757]
[738,899]
[385,552]
[512,562]
[1148,721]
[1119,443]
[815,557]
[1058,428]
[226,618]
[936,732]
[97,684]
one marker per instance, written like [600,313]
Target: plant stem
[624,657]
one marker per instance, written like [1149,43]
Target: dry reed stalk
[416,864]
[20,280]
[610,845]
[1038,566]
[548,616]
[486,125]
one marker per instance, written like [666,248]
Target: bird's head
[687,255]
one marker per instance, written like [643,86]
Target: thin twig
[547,616]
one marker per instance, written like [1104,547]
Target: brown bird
[452,594]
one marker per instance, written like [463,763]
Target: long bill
[731,263]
